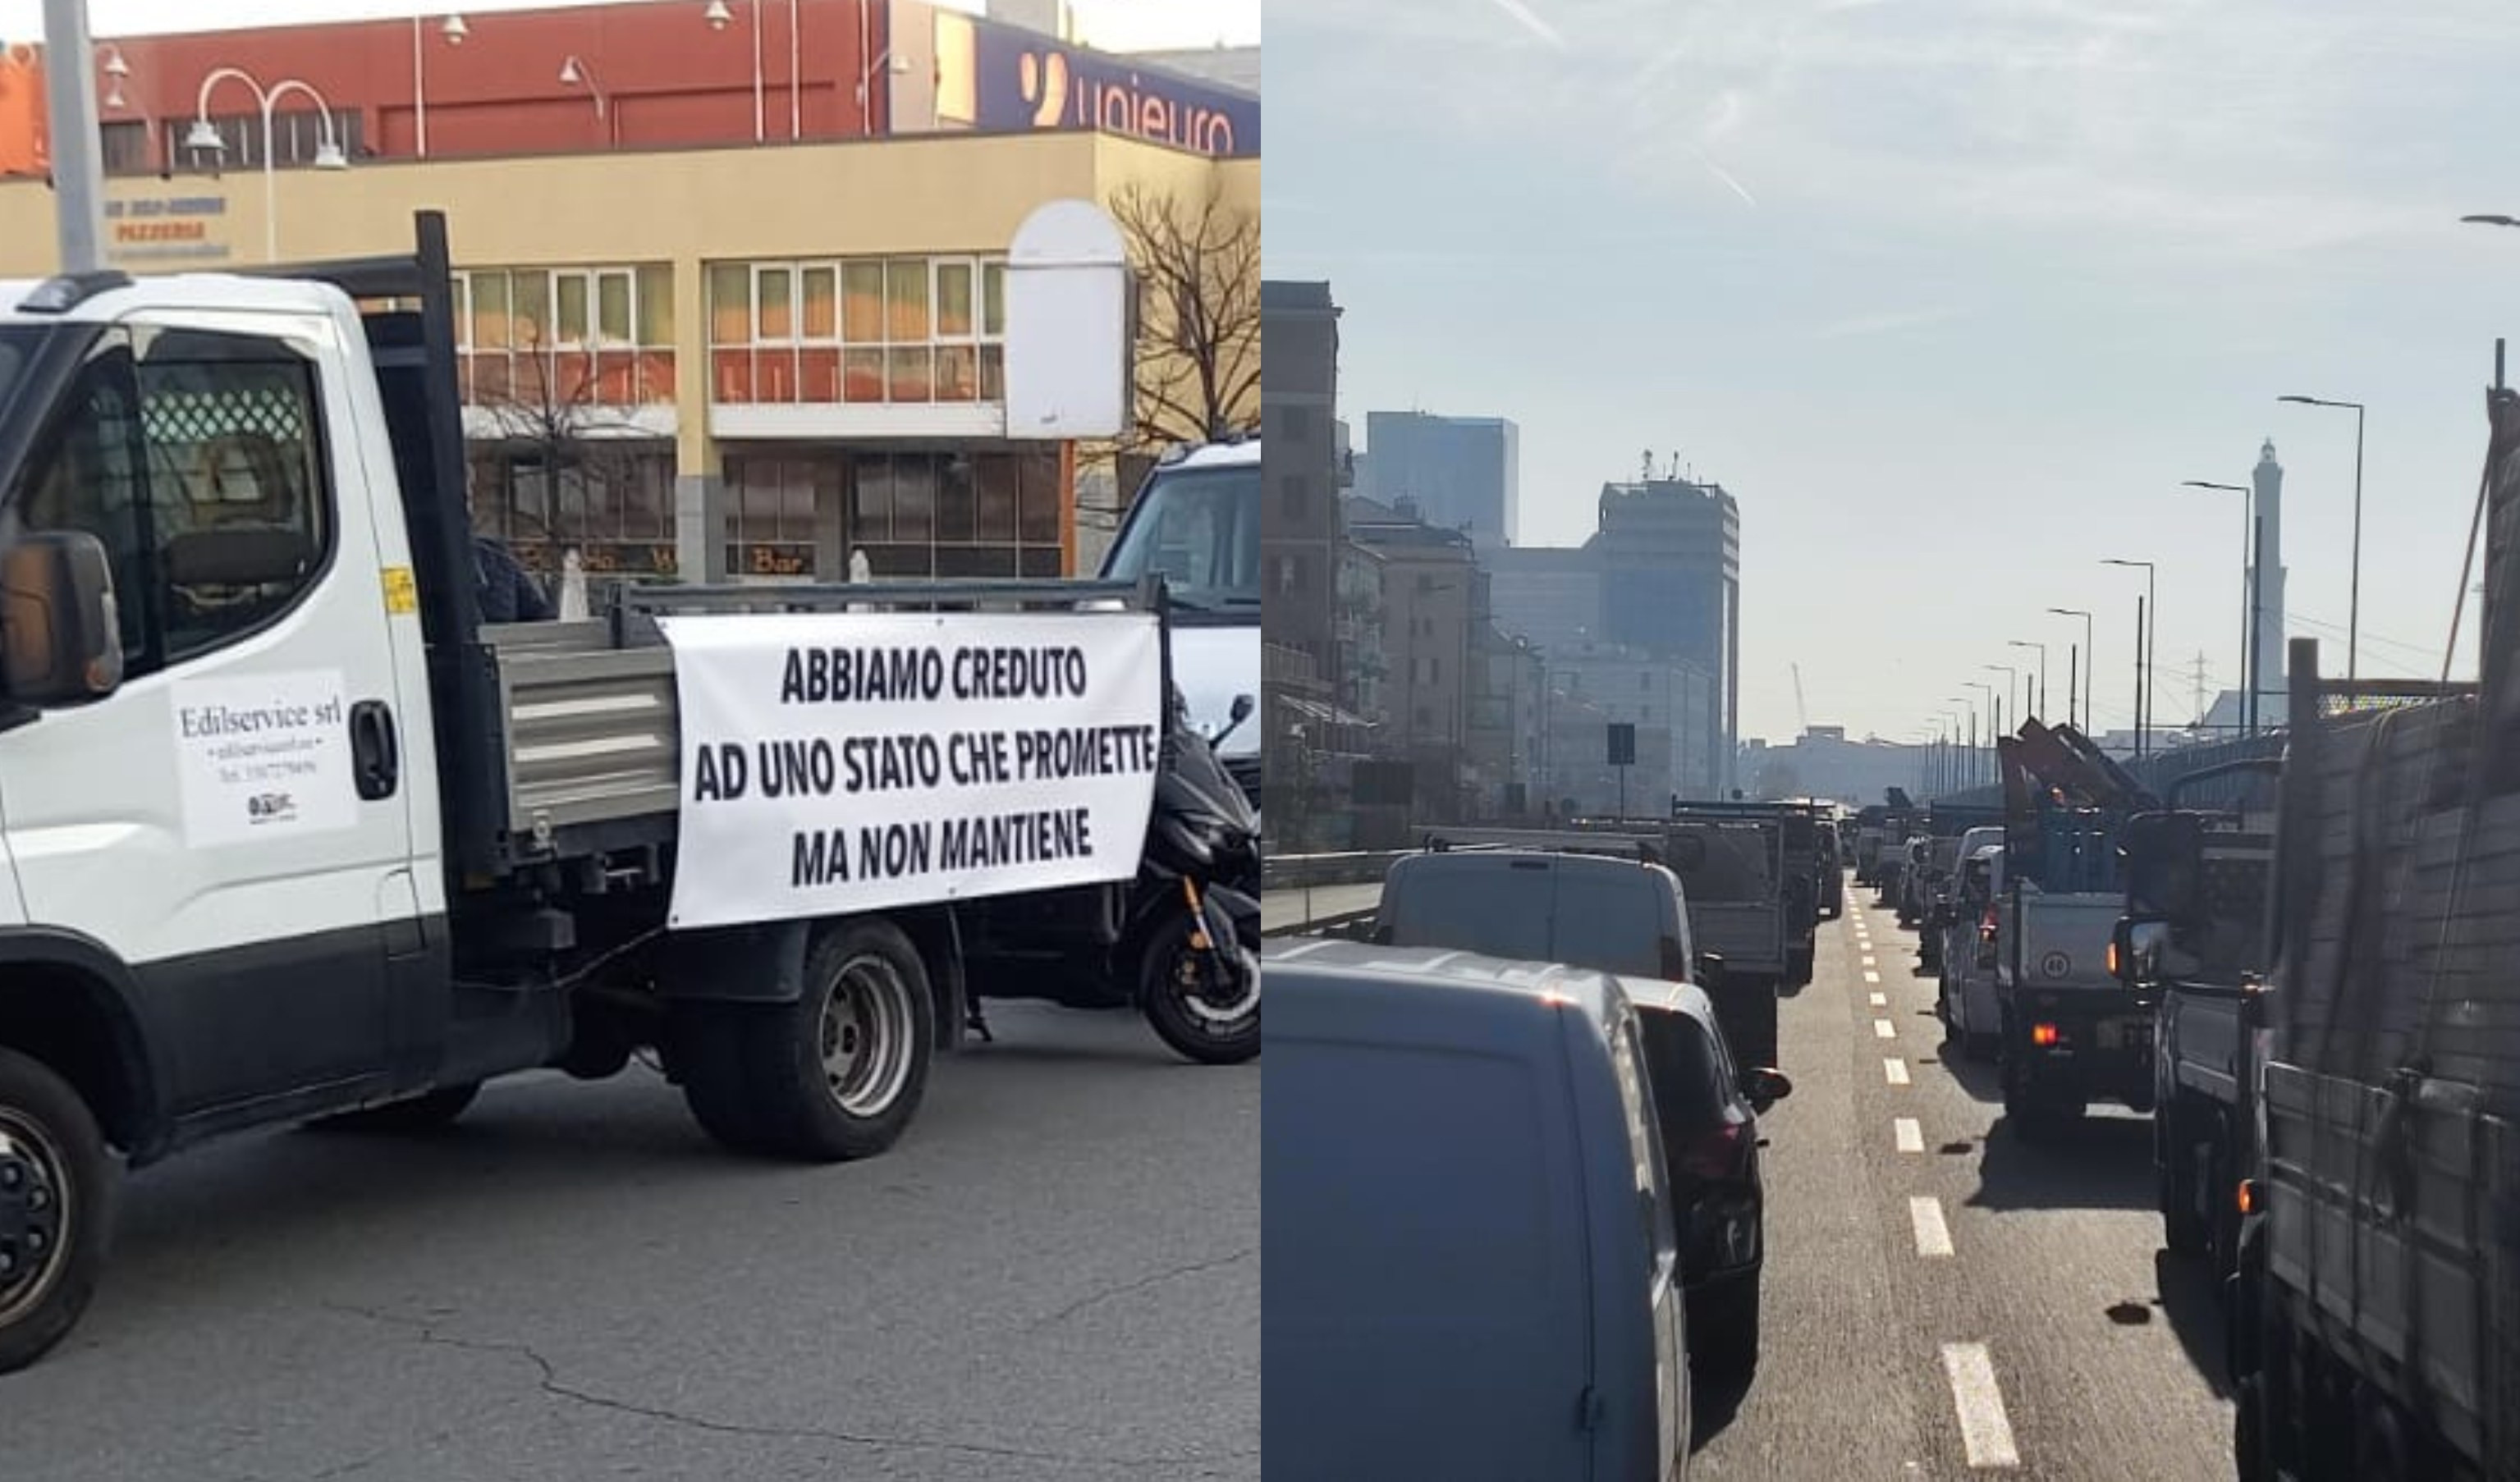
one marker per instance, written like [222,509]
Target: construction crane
[1802,712]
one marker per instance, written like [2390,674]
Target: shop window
[958,504]
[775,502]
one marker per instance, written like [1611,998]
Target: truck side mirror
[2135,948]
[1710,970]
[60,634]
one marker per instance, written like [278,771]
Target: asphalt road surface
[1055,1276]
[1943,1300]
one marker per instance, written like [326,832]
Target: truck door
[228,823]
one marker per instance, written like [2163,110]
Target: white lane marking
[1869,963]
[1872,977]
[1907,1134]
[1878,1000]
[1894,1071]
[1884,1030]
[1985,1432]
[1933,1237]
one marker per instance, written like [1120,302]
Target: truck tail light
[1985,925]
[2249,1199]
[2044,1035]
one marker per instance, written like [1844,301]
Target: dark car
[1709,1110]
[1621,917]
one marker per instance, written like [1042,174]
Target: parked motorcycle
[1179,943]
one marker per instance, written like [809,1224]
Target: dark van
[1472,1259]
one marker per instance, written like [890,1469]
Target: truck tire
[834,1076]
[2184,1231]
[421,1113]
[57,1195]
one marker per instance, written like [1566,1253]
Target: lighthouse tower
[2269,585]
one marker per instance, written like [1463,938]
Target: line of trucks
[288,834]
[2312,983]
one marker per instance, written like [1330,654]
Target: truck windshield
[1200,529]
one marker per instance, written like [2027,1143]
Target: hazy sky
[1126,24]
[1950,295]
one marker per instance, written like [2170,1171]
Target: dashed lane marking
[1878,1000]
[1986,1434]
[1894,1071]
[1871,977]
[1907,1134]
[1869,963]
[1933,1237]
[1884,1030]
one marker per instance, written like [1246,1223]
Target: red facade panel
[656,75]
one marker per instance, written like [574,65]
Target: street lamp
[115,69]
[2077,663]
[2148,632]
[1993,724]
[2011,678]
[1968,705]
[2354,601]
[574,72]
[2248,586]
[204,135]
[2023,642]
[454,31]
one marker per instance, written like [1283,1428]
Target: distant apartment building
[1433,602]
[1667,699]
[1463,472]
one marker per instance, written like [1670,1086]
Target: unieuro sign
[998,77]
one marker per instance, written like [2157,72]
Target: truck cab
[1196,523]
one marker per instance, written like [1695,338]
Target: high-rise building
[1462,472]
[1670,551]
[1301,528]
[1550,595]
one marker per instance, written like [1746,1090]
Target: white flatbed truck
[287,833]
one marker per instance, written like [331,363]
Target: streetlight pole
[2248,586]
[2149,621]
[2077,664]
[2354,602]
[2023,642]
[1993,723]
[204,136]
[77,152]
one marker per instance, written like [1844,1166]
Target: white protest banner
[855,761]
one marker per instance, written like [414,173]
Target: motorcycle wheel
[1172,987]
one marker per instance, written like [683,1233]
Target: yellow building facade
[752,362]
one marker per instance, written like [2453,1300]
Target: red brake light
[1985,925]
[2043,1034]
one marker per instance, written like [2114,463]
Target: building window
[900,330]
[953,516]
[540,340]
[1290,497]
[774,503]
[612,504]
[126,148]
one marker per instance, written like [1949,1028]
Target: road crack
[550,1382]
[1125,1288]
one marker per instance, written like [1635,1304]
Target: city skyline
[1937,299]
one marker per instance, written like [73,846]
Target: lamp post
[454,31]
[1994,726]
[2011,678]
[78,149]
[2076,663]
[1969,706]
[2354,599]
[574,72]
[204,136]
[2248,586]
[2023,642]
[719,16]
[2149,626]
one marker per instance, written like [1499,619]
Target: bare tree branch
[1199,329]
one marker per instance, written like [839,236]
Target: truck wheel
[57,1191]
[836,1075]
[2182,1226]
[421,1113]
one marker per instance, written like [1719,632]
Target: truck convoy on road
[288,833]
